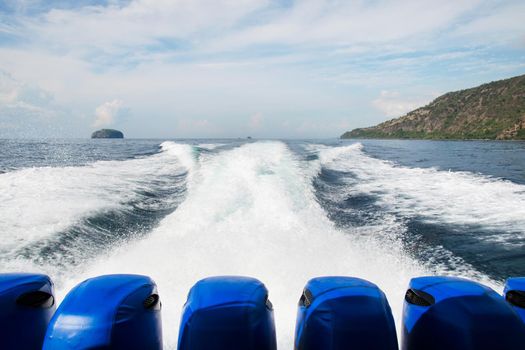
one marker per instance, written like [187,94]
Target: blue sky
[233,68]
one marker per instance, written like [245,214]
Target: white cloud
[107,113]
[23,99]
[128,29]
[343,24]
[498,23]
[256,121]
[392,104]
[27,110]
[203,26]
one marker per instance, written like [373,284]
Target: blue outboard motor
[454,313]
[227,313]
[340,313]
[26,307]
[515,295]
[118,312]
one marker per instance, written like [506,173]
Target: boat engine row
[123,312]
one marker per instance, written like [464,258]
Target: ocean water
[280,211]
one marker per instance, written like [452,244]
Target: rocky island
[494,111]
[107,134]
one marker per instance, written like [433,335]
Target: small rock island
[107,134]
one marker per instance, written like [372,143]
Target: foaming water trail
[252,211]
[437,196]
[184,153]
[453,222]
[43,210]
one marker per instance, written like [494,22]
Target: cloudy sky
[229,68]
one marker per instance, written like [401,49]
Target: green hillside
[491,111]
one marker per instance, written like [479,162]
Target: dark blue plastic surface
[227,313]
[516,284]
[344,313]
[23,326]
[464,315]
[107,312]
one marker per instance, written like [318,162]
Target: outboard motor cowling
[340,313]
[26,307]
[454,313]
[227,312]
[515,295]
[117,312]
